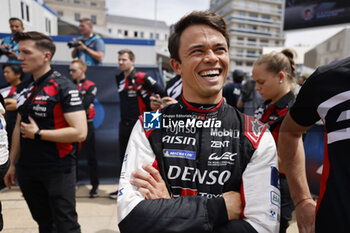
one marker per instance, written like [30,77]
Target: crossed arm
[144,203]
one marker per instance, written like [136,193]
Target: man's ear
[47,56]
[176,65]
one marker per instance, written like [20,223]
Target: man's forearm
[183,214]
[97,55]
[293,163]
[68,134]
[74,53]
[292,155]
[16,143]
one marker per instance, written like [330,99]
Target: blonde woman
[274,74]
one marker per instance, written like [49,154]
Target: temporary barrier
[107,119]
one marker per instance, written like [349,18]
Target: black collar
[42,78]
[201,108]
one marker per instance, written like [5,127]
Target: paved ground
[97,215]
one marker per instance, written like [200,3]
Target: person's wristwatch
[37,135]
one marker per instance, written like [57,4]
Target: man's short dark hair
[238,75]
[16,19]
[86,20]
[16,68]
[42,41]
[128,51]
[208,18]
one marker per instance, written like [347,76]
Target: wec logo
[225,156]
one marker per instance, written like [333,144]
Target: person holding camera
[89,48]
[9,45]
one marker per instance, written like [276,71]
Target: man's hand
[9,178]
[234,205]
[12,55]
[154,103]
[28,130]
[150,183]
[157,102]
[305,214]
[81,46]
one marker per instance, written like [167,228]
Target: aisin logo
[151,120]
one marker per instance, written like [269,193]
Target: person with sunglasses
[88,92]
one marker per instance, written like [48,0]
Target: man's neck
[40,72]
[87,36]
[16,82]
[80,78]
[128,72]
[215,99]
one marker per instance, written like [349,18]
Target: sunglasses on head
[72,70]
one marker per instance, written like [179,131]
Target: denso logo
[225,156]
[195,175]
[224,133]
[179,140]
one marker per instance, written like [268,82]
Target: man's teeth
[209,73]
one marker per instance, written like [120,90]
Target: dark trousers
[88,150]
[287,205]
[3,170]
[125,128]
[50,196]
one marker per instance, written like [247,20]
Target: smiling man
[212,169]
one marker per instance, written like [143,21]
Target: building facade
[333,49]
[36,16]
[252,24]
[74,10]
[137,28]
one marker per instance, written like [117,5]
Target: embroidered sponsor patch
[274,177]
[275,198]
[254,130]
[179,154]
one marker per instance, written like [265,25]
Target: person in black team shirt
[325,95]
[88,91]
[232,91]
[13,74]
[50,117]
[208,167]
[135,89]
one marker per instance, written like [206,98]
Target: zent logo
[151,120]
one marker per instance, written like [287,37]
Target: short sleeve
[70,97]
[99,45]
[304,110]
